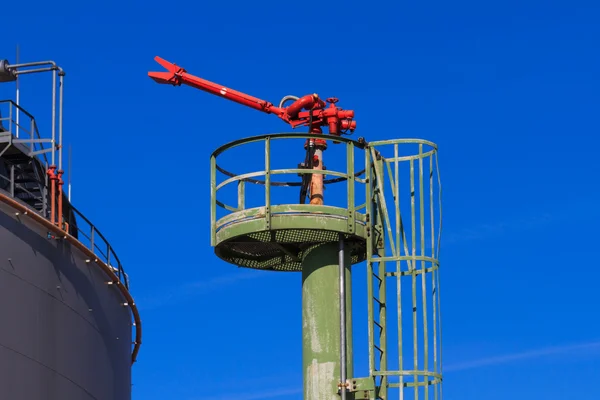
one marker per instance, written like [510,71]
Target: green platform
[243,239]
[278,237]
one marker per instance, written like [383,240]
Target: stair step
[16,158]
[26,180]
[24,188]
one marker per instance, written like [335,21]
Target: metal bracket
[7,74]
[52,236]
[363,388]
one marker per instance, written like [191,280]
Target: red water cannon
[308,110]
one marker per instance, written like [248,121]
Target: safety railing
[19,124]
[89,235]
[268,208]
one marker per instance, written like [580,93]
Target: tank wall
[64,333]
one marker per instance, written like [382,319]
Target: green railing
[239,211]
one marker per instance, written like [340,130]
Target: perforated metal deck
[283,250]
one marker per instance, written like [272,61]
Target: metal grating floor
[283,250]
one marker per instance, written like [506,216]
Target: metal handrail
[33,132]
[110,257]
[350,175]
[42,148]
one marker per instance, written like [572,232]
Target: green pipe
[321,340]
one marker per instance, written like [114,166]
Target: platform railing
[23,130]
[93,239]
[239,211]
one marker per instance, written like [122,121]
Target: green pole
[321,321]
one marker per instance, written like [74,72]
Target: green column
[321,322]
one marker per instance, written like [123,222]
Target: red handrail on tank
[308,110]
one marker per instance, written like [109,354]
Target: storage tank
[70,328]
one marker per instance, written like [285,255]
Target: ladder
[403,269]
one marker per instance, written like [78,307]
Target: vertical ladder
[407,259]
[376,283]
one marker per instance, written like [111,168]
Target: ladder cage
[403,279]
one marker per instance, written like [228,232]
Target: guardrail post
[12,181]
[350,181]
[213,200]
[10,117]
[92,240]
[241,195]
[108,255]
[268,183]
[31,134]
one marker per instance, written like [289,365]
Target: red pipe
[308,110]
[60,198]
[52,176]
[306,102]
[177,75]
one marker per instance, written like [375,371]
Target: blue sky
[508,90]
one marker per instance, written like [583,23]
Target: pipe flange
[7,74]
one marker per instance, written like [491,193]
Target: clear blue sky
[508,90]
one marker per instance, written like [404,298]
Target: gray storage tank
[70,329]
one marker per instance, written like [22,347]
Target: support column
[321,349]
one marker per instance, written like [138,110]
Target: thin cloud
[548,351]
[188,289]
[223,280]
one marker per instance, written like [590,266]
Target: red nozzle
[349,114]
[347,124]
[172,77]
